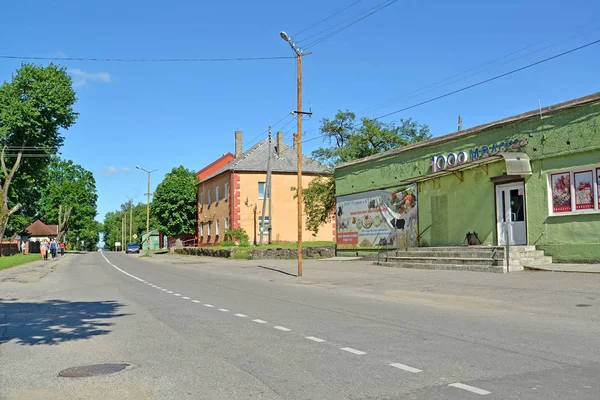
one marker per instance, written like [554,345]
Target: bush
[228,243]
[237,236]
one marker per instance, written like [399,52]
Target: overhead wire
[267,130]
[143,60]
[491,79]
[376,8]
[327,18]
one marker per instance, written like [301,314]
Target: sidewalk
[577,268]
[528,291]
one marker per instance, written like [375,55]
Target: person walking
[53,248]
[62,249]
[43,249]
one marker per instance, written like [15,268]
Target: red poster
[584,190]
[347,238]
[561,192]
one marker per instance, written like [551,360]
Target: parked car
[132,248]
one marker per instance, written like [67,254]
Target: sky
[160,115]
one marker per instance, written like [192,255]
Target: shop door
[510,214]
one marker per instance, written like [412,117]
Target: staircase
[463,258]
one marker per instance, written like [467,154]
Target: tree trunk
[5,212]
[63,223]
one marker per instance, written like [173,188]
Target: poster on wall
[584,190]
[561,192]
[598,186]
[378,218]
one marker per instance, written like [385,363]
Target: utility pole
[147,211]
[267,194]
[299,114]
[131,218]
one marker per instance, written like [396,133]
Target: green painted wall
[566,138]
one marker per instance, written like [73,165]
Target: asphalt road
[198,333]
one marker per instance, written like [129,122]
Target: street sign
[135,235]
[117,244]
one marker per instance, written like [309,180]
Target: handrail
[425,230]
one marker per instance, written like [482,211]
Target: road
[194,331]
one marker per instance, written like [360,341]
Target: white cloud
[80,77]
[109,171]
[127,170]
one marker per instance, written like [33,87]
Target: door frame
[502,182]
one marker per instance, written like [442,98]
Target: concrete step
[526,254]
[521,249]
[447,260]
[497,255]
[453,248]
[536,261]
[453,267]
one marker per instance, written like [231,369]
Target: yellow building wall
[214,210]
[284,208]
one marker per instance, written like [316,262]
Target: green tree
[174,204]
[72,189]
[346,141]
[34,106]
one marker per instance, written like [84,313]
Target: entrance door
[510,214]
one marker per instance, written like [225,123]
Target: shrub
[237,236]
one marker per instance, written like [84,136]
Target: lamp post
[147,210]
[299,113]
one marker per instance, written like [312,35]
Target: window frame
[226,224]
[226,189]
[260,224]
[264,191]
[201,229]
[217,194]
[208,198]
[573,172]
[209,226]
[202,199]
[217,227]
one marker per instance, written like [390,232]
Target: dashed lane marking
[208,305]
[241,315]
[223,310]
[315,339]
[259,321]
[282,328]
[406,368]
[353,351]
[471,389]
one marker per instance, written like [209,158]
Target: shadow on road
[55,321]
[277,270]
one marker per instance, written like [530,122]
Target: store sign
[442,162]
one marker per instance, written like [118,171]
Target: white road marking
[196,301]
[164,290]
[185,298]
[223,309]
[472,389]
[282,328]
[315,339]
[260,321]
[353,351]
[208,305]
[240,315]
[120,270]
[177,294]
[406,368]
[170,292]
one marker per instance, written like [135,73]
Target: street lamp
[299,113]
[147,210]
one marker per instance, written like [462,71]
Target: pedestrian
[53,248]
[43,250]
[62,249]
[22,247]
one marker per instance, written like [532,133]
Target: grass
[241,253]
[17,259]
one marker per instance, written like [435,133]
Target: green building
[531,179]
[154,240]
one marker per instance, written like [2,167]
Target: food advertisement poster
[378,218]
[561,192]
[584,190]
[598,186]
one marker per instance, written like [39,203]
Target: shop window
[574,192]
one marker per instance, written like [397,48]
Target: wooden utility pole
[130,221]
[267,195]
[299,114]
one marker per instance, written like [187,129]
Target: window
[217,227]
[264,228]
[226,224]
[226,191]
[209,199]
[217,195]
[201,228]
[574,192]
[261,190]
[209,224]
[201,199]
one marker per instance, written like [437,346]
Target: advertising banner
[561,192]
[598,186]
[584,190]
[378,218]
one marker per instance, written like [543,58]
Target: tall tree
[174,204]
[346,141]
[69,199]
[34,106]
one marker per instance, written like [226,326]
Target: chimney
[238,144]
[279,144]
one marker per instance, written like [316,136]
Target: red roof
[38,228]
[215,166]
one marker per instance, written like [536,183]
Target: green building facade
[531,179]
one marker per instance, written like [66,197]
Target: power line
[144,60]
[377,8]
[267,130]
[436,84]
[327,18]
[490,79]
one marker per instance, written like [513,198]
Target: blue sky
[161,115]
